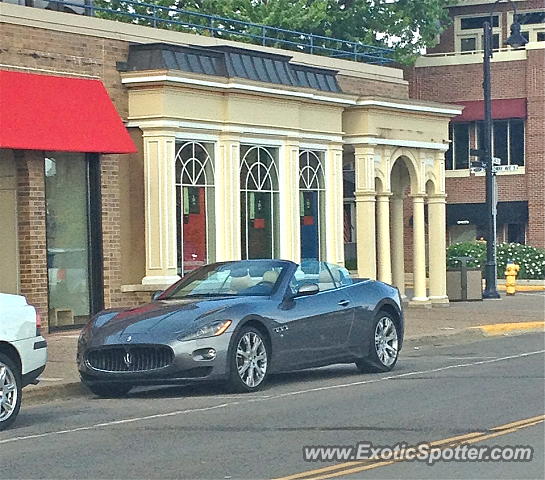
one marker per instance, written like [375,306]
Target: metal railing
[170,18]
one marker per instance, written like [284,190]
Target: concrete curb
[525,288]
[71,390]
[48,393]
[504,328]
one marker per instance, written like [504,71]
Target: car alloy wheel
[251,359]
[386,343]
[10,392]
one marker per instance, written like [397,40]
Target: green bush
[530,259]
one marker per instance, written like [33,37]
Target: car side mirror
[157,294]
[307,289]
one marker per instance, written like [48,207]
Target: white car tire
[10,391]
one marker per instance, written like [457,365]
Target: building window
[311,203]
[195,205]
[457,157]
[259,202]
[507,140]
[474,23]
[469,33]
[532,25]
[516,233]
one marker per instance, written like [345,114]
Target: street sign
[496,161]
[505,168]
[496,169]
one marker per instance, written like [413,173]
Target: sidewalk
[522,312]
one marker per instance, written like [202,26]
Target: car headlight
[213,329]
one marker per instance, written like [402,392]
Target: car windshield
[241,278]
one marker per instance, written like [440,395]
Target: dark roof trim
[230,62]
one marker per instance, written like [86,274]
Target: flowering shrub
[530,259]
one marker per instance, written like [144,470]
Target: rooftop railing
[170,18]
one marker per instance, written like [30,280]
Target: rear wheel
[249,361]
[10,391]
[384,350]
[109,390]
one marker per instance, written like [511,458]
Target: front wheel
[10,391]
[384,350]
[249,361]
[109,390]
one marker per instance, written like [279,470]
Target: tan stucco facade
[397,148]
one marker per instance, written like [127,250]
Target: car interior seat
[270,276]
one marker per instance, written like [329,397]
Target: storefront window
[195,205]
[259,202]
[311,204]
[70,258]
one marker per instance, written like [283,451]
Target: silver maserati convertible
[237,322]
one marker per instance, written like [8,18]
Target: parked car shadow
[276,380]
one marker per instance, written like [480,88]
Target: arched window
[259,202]
[312,203]
[195,205]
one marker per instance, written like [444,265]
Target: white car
[23,353]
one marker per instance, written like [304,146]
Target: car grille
[130,359]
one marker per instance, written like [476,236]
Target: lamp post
[515,40]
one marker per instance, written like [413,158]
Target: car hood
[169,316]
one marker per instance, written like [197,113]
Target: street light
[515,40]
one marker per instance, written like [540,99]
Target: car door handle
[344,303]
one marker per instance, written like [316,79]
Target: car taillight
[38,322]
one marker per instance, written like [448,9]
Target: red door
[194,227]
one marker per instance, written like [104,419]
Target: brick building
[452,72]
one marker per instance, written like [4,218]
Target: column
[160,208]
[419,252]
[365,231]
[227,177]
[383,238]
[437,249]
[288,179]
[365,211]
[333,172]
[397,242]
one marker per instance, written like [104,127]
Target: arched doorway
[312,202]
[194,205]
[400,240]
[259,202]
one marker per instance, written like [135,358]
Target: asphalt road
[435,393]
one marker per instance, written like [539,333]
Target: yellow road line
[320,470]
[519,422]
[341,469]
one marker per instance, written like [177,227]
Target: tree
[408,26]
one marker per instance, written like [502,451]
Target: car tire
[384,348]
[249,361]
[109,390]
[10,379]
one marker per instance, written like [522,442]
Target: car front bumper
[187,365]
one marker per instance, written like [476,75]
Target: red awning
[45,112]
[501,109]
